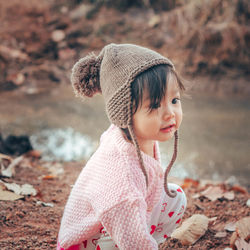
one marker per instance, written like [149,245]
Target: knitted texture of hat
[111,73]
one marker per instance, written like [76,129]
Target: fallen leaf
[221,234]
[14,53]
[10,170]
[230,226]
[248,203]
[199,206]
[239,189]
[6,157]
[25,189]
[188,182]
[55,169]
[154,21]
[204,183]
[195,196]
[8,196]
[45,204]
[191,229]
[17,79]
[243,228]
[233,238]
[242,244]
[34,153]
[213,193]
[212,220]
[229,195]
[48,177]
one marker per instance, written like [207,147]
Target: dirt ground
[28,224]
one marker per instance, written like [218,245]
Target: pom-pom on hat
[111,74]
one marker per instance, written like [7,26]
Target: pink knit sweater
[111,192]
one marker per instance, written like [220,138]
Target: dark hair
[155,81]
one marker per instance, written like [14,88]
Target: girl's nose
[168,112]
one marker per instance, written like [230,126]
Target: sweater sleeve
[119,204]
[126,224]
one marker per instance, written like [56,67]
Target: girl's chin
[167,136]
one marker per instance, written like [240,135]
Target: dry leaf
[45,204]
[48,177]
[25,189]
[213,193]
[230,226]
[188,182]
[229,195]
[248,203]
[233,238]
[8,196]
[242,244]
[239,189]
[55,169]
[191,229]
[243,228]
[34,153]
[220,234]
[154,21]
[195,196]
[14,53]
[212,220]
[10,170]
[5,157]
[199,206]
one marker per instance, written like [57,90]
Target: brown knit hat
[111,74]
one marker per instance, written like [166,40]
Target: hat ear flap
[85,77]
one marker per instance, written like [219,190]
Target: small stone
[154,21]
[220,235]
[248,202]
[57,35]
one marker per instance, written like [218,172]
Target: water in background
[214,136]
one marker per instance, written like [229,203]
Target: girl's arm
[126,224]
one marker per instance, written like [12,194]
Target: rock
[17,79]
[81,11]
[15,145]
[191,229]
[154,21]
[57,35]
[248,203]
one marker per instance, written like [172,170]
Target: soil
[40,41]
[27,224]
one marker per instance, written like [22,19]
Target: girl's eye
[175,100]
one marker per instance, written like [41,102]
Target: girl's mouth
[168,128]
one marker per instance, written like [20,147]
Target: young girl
[121,199]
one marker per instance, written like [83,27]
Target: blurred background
[207,40]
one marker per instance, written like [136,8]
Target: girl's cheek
[180,117]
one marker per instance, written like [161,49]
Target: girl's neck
[148,148]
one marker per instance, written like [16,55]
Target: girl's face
[161,122]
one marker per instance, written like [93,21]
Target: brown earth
[26,224]
[40,41]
